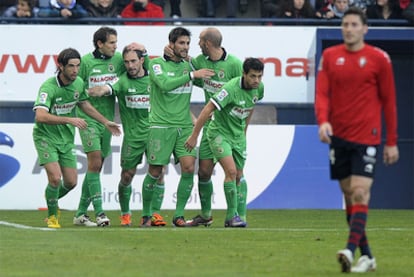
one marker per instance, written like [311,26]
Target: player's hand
[390,155]
[168,51]
[204,73]
[325,132]
[78,122]
[190,143]
[114,128]
[136,46]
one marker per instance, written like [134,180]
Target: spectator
[270,8]
[63,8]
[23,9]
[142,9]
[407,7]
[102,8]
[362,4]
[5,4]
[207,8]
[384,9]
[334,10]
[297,9]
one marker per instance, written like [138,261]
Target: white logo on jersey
[157,69]
[42,97]
[340,61]
[362,61]
[137,101]
[222,94]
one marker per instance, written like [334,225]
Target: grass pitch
[275,243]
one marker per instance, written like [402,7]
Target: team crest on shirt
[111,67]
[255,99]
[221,74]
[362,61]
[76,95]
[340,61]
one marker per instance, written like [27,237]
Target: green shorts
[223,147]
[162,142]
[96,138]
[204,150]
[132,152]
[48,152]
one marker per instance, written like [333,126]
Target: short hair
[358,12]
[126,50]
[252,63]
[102,35]
[66,54]
[178,32]
[214,36]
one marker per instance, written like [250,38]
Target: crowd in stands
[144,9]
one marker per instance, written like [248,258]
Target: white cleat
[83,220]
[365,264]
[345,258]
[102,220]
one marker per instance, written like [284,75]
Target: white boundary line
[20,226]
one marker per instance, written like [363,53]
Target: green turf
[276,243]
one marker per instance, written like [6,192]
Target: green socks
[205,191]
[242,199]
[124,193]
[94,185]
[231,199]
[147,194]
[185,186]
[157,198]
[52,195]
[84,199]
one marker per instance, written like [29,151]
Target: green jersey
[97,71]
[58,100]
[133,99]
[226,68]
[234,104]
[171,88]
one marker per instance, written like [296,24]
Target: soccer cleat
[199,220]
[235,222]
[83,220]
[345,258]
[365,264]
[157,220]
[180,222]
[102,220]
[126,220]
[145,221]
[52,222]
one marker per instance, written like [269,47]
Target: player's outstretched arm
[114,128]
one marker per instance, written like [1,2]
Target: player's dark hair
[252,63]
[67,54]
[358,12]
[102,35]
[126,49]
[178,32]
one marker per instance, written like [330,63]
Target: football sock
[157,198]
[205,191]
[230,192]
[363,243]
[84,199]
[63,189]
[94,185]
[147,194]
[242,199]
[51,195]
[357,226]
[124,194]
[185,186]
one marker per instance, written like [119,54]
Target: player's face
[203,44]
[353,30]
[252,79]
[69,72]
[133,64]
[109,47]
[181,47]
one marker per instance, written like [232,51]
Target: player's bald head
[213,35]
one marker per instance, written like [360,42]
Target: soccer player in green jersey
[103,66]
[54,129]
[132,90]
[226,67]
[233,107]
[170,120]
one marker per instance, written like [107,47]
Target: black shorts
[348,158]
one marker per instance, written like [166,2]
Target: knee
[360,195]
[127,176]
